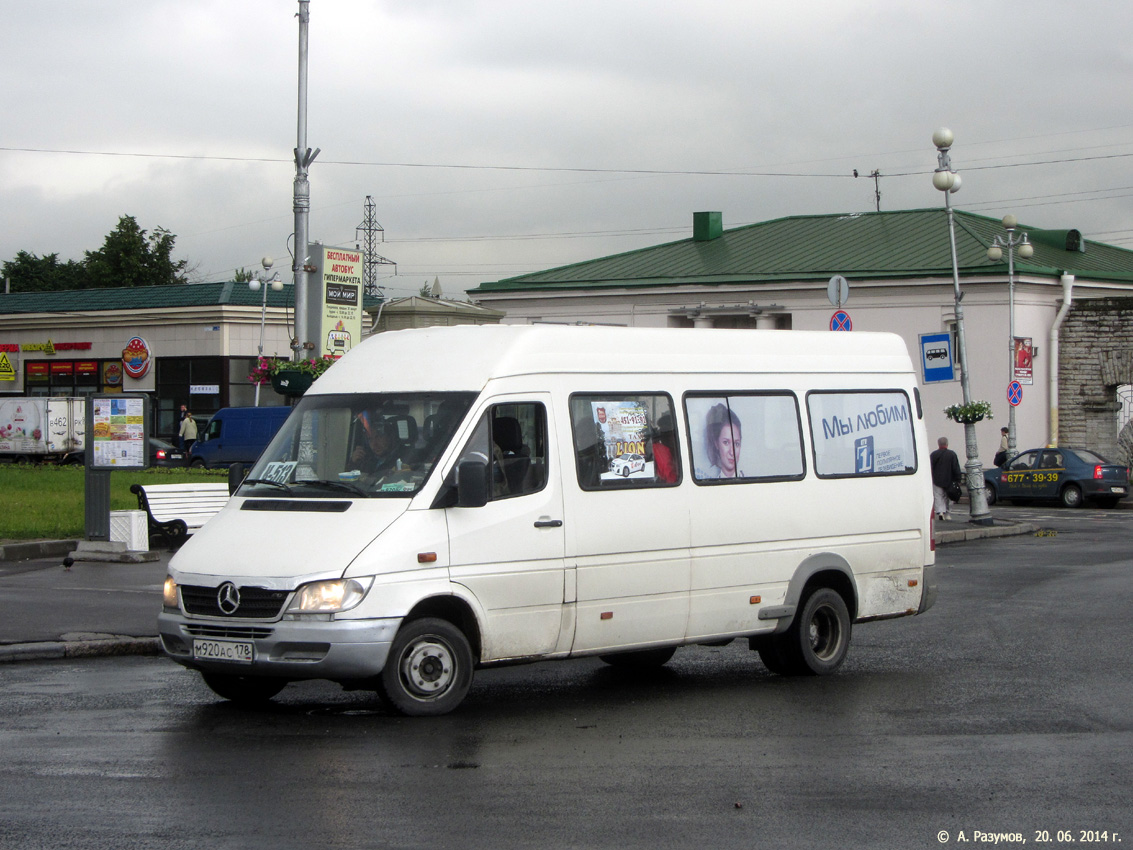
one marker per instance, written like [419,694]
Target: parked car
[161,453]
[1072,476]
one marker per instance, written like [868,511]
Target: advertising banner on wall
[335,295]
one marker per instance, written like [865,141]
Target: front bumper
[339,650]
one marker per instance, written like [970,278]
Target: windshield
[358,445]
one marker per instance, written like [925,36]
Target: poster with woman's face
[744,436]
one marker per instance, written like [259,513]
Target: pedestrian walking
[1001,455]
[188,433]
[945,475]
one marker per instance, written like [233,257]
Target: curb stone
[100,646]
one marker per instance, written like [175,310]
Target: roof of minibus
[466,357]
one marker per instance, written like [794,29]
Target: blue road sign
[840,321]
[1014,393]
[936,358]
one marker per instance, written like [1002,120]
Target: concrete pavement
[98,608]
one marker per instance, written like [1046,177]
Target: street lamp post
[948,181]
[995,254]
[257,282]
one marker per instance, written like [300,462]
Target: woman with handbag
[946,476]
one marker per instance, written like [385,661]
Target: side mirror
[236,475]
[472,484]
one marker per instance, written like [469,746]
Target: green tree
[242,275]
[29,273]
[131,257]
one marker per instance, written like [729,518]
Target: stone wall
[1095,358]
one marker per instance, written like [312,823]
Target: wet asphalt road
[1006,709]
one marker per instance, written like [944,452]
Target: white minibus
[448,499]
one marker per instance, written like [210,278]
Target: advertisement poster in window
[623,429]
[862,433]
[744,436]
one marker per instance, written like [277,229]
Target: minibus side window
[512,438]
[743,437]
[869,432]
[623,440]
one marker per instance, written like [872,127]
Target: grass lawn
[46,502]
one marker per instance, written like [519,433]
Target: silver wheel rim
[825,633]
[428,668]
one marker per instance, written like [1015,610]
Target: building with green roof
[776,275]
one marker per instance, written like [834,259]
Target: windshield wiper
[334,485]
[267,481]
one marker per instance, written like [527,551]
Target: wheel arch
[456,611]
[827,569]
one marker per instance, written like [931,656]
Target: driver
[377,454]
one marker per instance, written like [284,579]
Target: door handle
[548,523]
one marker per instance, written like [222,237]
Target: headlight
[326,597]
[169,593]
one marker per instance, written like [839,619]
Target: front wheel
[818,639]
[243,689]
[992,497]
[1071,496]
[429,669]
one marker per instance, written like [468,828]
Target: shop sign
[7,372]
[86,367]
[9,347]
[50,347]
[204,389]
[136,357]
[64,368]
[112,374]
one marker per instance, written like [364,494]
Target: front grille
[256,603]
[238,632]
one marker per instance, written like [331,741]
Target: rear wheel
[640,659]
[1071,496]
[992,496]
[818,639]
[429,669]
[243,689]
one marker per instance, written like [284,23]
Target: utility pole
[301,205]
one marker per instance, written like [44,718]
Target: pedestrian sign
[840,321]
[7,373]
[1014,393]
[936,358]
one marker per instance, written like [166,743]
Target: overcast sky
[498,138]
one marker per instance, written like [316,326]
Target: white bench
[175,511]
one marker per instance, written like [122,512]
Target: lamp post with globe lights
[948,181]
[995,254]
[258,281]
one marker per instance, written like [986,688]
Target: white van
[452,498]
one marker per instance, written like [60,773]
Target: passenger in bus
[723,435]
[664,457]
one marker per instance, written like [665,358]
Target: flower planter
[291,381]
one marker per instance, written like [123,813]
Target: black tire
[429,669]
[641,659]
[1071,496]
[197,463]
[625,472]
[992,496]
[246,690]
[818,638]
